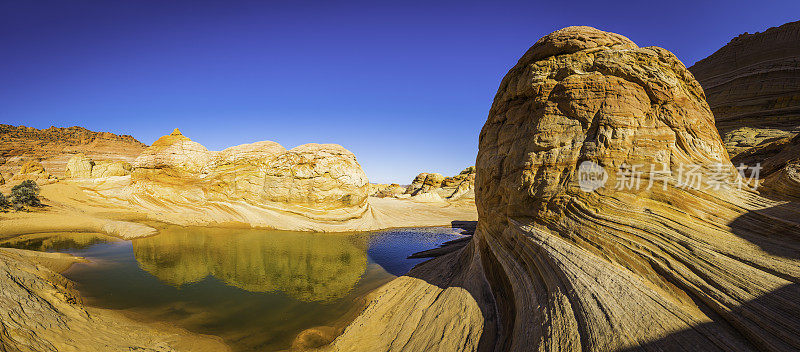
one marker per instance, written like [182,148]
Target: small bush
[26,193]
[4,202]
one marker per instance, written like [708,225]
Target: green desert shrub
[4,202]
[26,193]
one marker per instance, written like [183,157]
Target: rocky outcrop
[33,170]
[317,177]
[386,190]
[174,156]
[81,166]
[778,160]
[106,168]
[753,83]
[177,180]
[563,260]
[41,311]
[53,147]
[434,186]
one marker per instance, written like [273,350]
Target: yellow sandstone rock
[555,265]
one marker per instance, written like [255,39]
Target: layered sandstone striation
[81,166]
[312,187]
[41,311]
[53,147]
[435,187]
[779,162]
[33,170]
[556,265]
[318,181]
[753,86]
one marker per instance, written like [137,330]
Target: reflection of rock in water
[310,267]
[55,242]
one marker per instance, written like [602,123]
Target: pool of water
[257,289]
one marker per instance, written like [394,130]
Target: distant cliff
[753,83]
[54,146]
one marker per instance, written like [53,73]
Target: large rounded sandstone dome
[658,265]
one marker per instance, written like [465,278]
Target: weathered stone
[41,311]
[79,166]
[390,190]
[173,155]
[53,147]
[556,267]
[310,179]
[754,81]
[107,168]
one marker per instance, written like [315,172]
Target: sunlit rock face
[308,267]
[323,182]
[81,166]
[753,86]
[55,146]
[173,155]
[436,186]
[555,265]
[33,170]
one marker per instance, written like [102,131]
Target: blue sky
[405,85]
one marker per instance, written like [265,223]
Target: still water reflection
[256,289]
[308,267]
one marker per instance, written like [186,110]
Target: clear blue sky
[404,85]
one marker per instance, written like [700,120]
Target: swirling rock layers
[554,267]
[319,181]
[753,85]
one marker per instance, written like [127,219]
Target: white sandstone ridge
[318,177]
[312,187]
[432,187]
[81,166]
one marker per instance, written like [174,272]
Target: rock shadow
[749,334]
[776,230]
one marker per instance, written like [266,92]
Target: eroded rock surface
[177,180]
[33,170]
[554,266]
[81,166]
[434,186]
[40,311]
[753,86]
[53,147]
[317,176]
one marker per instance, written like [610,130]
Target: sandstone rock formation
[753,82]
[436,186]
[174,156]
[54,146]
[81,166]
[177,180]
[386,190]
[779,161]
[41,311]
[318,177]
[32,170]
[555,265]
[108,168]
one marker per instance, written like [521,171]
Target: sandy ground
[72,207]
